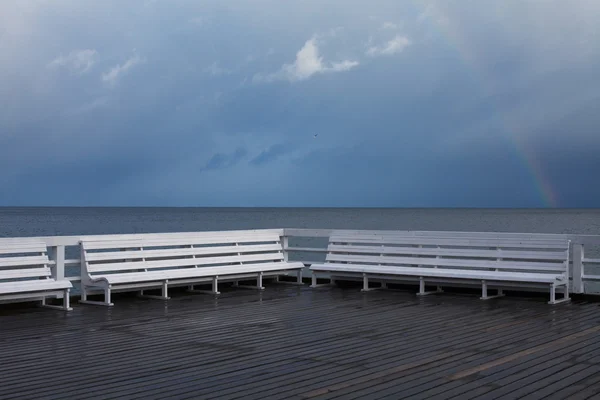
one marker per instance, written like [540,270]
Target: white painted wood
[171,274]
[172,252]
[39,285]
[26,275]
[51,241]
[5,248]
[450,252]
[18,261]
[447,262]
[464,242]
[57,256]
[306,249]
[295,232]
[285,242]
[535,261]
[180,241]
[578,268]
[442,273]
[150,262]
[172,262]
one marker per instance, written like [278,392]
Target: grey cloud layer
[228,102]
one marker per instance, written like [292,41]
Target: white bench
[497,263]
[159,262]
[25,273]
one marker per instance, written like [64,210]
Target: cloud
[396,45]
[389,25]
[535,65]
[215,70]
[221,160]
[95,104]
[271,154]
[112,76]
[77,61]
[198,21]
[308,63]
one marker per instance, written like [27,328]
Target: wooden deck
[301,343]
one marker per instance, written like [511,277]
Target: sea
[54,221]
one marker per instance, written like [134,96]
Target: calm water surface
[85,221]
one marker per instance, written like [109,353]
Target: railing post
[578,268]
[57,254]
[284,244]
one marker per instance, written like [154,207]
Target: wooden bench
[494,263]
[159,262]
[25,273]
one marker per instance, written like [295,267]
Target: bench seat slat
[174,252]
[447,262]
[431,272]
[33,286]
[24,273]
[25,248]
[195,272]
[444,241]
[450,252]
[183,241]
[23,261]
[182,262]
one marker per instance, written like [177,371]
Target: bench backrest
[23,260]
[514,255]
[102,257]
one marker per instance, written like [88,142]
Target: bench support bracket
[66,302]
[298,280]
[422,291]
[484,292]
[314,283]
[215,287]
[565,298]
[165,294]
[105,303]
[366,287]
[259,283]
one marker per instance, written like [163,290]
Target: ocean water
[15,221]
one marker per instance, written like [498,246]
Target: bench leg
[366,287]
[298,280]
[314,283]
[165,293]
[106,301]
[422,291]
[365,283]
[66,302]
[215,287]
[565,298]
[259,283]
[484,292]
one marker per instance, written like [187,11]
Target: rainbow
[458,40]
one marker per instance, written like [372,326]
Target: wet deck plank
[302,343]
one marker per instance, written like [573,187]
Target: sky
[313,103]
